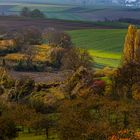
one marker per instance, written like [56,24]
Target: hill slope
[104,45]
[84,2]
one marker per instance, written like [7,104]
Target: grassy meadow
[105,45]
[30,137]
[33,137]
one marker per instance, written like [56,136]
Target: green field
[105,45]
[30,137]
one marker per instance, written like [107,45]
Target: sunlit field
[30,137]
[105,45]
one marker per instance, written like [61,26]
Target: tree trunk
[126,123]
[29,130]
[47,133]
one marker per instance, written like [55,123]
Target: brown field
[11,23]
[110,14]
[43,77]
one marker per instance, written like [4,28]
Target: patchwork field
[18,23]
[72,12]
[105,45]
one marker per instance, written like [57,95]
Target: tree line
[35,13]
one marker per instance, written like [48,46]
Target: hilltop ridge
[135,3]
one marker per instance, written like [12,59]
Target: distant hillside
[84,2]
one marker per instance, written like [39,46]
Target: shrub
[32,35]
[7,128]
[58,39]
[23,88]
[74,58]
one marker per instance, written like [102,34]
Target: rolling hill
[105,45]
[72,12]
[84,2]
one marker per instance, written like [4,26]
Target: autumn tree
[32,35]
[96,118]
[76,57]
[22,88]
[137,47]
[57,38]
[29,57]
[41,122]
[23,115]
[19,40]
[132,46]
[125,78]
[7,128]
[6,81]
[129,46]
[7,125]
[128,74]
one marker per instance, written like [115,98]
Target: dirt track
[16,23]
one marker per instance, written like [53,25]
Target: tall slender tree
[128,52]
[137,47]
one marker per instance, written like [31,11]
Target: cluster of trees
[127,77]
[17,117]
[103,116]
[98,118]
[61,55]
[36,13]
[18,112]
[91,109]
[130,20]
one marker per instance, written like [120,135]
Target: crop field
[105,45]
[18,23]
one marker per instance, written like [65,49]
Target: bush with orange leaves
[124,135]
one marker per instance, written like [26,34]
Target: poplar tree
[137,48]
[129,46]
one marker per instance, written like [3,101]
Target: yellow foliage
[129,44]
[7,43]
[136,92]
[137,47]
[137,135]
[131,52]
[15,56]
[43,53]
